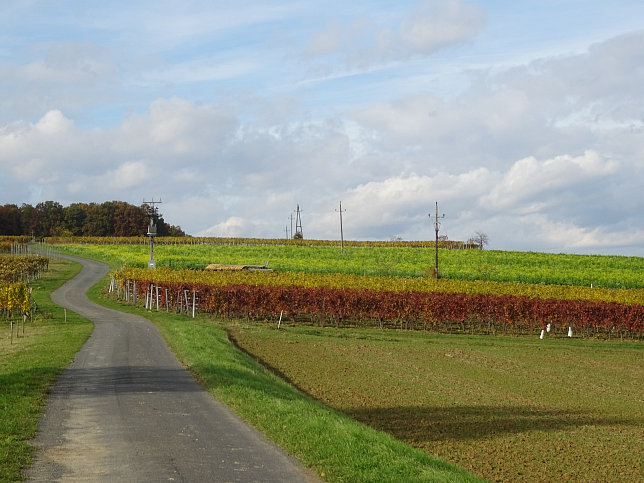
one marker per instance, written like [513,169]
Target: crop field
[365,287]
[507,409]
[378,260]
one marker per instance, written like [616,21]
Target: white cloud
[129,175]
[38,151]
[430,26]
[416,103]
[531,185]
[434,25]
[326,41]
[176,127]
[562,235]
[234,226]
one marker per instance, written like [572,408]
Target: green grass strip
[31,364]
[335,446]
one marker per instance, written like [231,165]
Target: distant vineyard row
[392,284]
[391,261]
[420,310]
[21,268]
[8,243]
[161,240]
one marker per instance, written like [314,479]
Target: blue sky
[524,120]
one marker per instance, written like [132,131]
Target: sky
[523,120]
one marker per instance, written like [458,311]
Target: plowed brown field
[507,409]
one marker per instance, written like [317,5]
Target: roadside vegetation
[30,363]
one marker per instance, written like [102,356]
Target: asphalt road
[125,410]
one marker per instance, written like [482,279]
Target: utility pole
[291,226]
[298,224]
[436,227]
[152,228]
[341,233]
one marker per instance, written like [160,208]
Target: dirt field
[507,409]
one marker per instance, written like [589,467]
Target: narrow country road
[125,410]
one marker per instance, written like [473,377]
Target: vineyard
[264,297]
[15,274]
[380,259]
[314,289]
[383,284]
[15,294]
[167,240]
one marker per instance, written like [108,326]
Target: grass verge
[335,446]
[30,364]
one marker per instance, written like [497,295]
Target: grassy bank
[335,446]
[30,364]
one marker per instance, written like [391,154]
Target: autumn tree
[10,222]
[75,217]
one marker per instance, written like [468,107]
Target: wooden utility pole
[436,227]
[341,232]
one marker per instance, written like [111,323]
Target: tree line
[111,218]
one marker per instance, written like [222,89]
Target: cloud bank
[545,154]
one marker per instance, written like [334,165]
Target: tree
[10,222]
[480,239]
[50,218]
[75,216]
[129,220]
[100,219]
[29,219]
